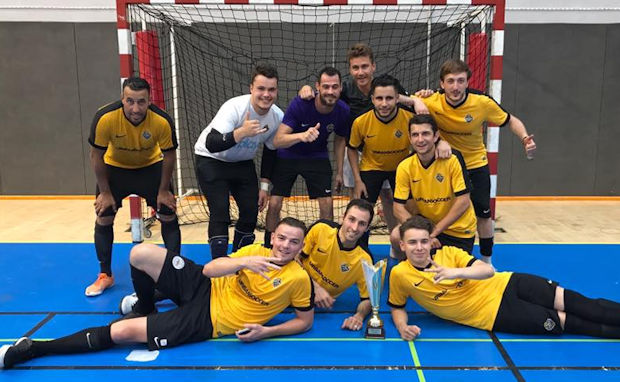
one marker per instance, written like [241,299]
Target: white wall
[517,11]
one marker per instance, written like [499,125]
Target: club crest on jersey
[398,133]
[439,177]
[330,127]
[344,267]
[146,134]
[276,282]
[468,118]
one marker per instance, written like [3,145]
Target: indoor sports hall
[556,215]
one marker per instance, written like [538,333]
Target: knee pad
[219,246]
[242,239]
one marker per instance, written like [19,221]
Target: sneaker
[127,303]
[19,352]
[102,283]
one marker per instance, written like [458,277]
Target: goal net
[196,56]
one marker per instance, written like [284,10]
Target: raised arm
[286,138]
[478,270]
[223,266]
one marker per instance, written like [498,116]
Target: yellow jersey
[385,144]
[434,189]
[332,266]
[461,125]
[467,302]
[248,298]
[130,146]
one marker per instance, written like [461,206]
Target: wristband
[264,186]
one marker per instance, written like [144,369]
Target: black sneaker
[20,351]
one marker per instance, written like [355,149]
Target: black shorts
[373,180]
[140,181]
[527,306]
[182,281]
[481,191]
[464,243]
[316,172]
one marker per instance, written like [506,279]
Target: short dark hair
[360,49]
[383,81]
[362,205]
[136,84]
[292,222]
[415,222]
[454,66]
[265,70]
[419,119]
[330,71]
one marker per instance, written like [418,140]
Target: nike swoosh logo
[416,180]
[418,283]
[304,125]
[486,211]
[371,136]
[120,136]
[320,250]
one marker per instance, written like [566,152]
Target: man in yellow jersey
[381,134]
[333,256]
[438,188]
[133,151]
[460,113]
[453,285]
[229,295]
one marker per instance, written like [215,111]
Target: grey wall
[559,79]
[53,77]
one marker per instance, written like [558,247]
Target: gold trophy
[374,275]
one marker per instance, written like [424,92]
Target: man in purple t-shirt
[301,141]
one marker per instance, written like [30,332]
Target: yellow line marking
[416,361]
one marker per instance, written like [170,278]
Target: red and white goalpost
[196,54]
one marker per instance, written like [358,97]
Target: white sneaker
[127,303]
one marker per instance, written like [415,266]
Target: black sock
[104,238]
[578,325]
[219,246]
[171,234]
[486,246]
[241,239]
[144,286]
[87,340]
[267,239]
[596,310]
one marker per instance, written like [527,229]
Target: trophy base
[375,332]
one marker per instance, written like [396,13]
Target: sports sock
[486,246]
[144,286]
[87,340]
[578,325]
[104,238]
[171,234]
[267,239]
[596,310]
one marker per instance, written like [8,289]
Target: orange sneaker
[102,283]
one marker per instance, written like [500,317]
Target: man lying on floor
[236,294]
[455,286]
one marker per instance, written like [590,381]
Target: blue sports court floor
[41,295]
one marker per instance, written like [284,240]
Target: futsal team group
[423,155]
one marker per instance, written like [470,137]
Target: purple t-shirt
[301,115]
